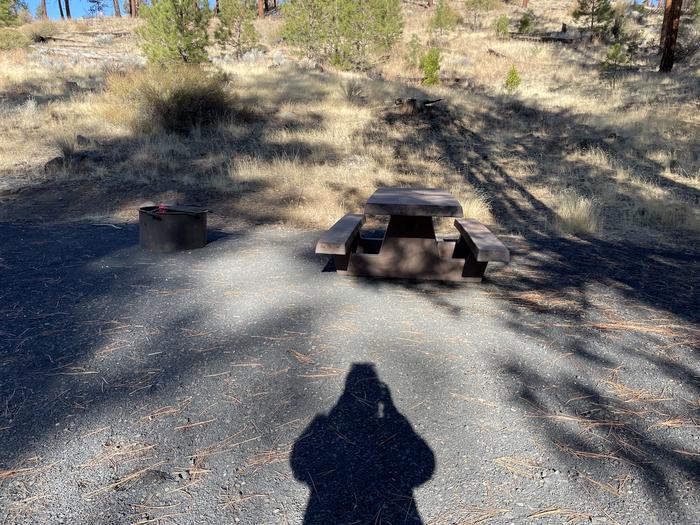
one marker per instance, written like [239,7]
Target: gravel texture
[240,383]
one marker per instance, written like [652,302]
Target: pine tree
[512,79]
[175,31]
[477,8]
[670,35]
[598,15]
[345,33]
[97,7]
[236,28]
[445,18]
[430,66]
[9,12]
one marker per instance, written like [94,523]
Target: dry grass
[321,143]
[576,214]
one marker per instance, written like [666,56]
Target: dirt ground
[241,383]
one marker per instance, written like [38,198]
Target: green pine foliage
[347,34]
[597,15]
[445,18]
[616,55]
[500,26]
[430,66]
[12,39]
[527,22]
[413,52]
[477,9]
[236,29]
[9,12]
[513,80]
[175,31]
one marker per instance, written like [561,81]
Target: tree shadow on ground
[84,338]
[605,302]
[362,460]
[481,148]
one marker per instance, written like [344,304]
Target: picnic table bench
[410,248]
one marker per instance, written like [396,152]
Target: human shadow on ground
[363,459]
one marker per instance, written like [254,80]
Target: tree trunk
[60,10]
[669,46]
[525,2]
[117,11]
[216,7]
[68,9]
[133,8]
[44,14]
[261,11]
[664,24]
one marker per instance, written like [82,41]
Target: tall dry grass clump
[173,100]
[577,214]
[40,31]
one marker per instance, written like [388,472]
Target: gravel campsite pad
[241,383]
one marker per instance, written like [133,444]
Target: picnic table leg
[472,268]
[409,250]
[409,236]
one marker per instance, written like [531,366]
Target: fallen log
[542,37]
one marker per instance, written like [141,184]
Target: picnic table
[410,248]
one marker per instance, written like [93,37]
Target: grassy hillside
[570,152]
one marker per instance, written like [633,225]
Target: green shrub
[477,8]
[175,99]
[430,66]
[13,39]
[501,25]
[236,28]
[598,15]
[175,31]
[616,55]
[9,12]
[40,31]
[614,58]
[413,52]
[348,34]
[445,18]
[527,22]
[513,79]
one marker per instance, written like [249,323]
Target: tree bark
[117,11]
[133,8]
[261,9]
[216,7]
[669,46]
[60,10]
[68,9]
[525,2]
[44,14]
[664,24]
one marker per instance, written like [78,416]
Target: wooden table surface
[413,202]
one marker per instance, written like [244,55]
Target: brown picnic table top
[425,202]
